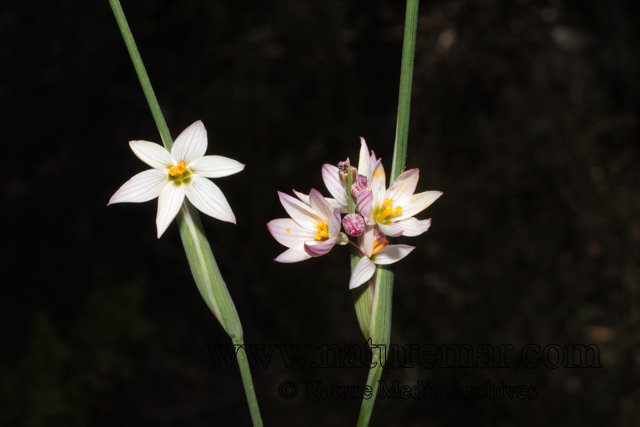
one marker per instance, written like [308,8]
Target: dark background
[524,113]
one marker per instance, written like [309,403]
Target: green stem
[196,245]
[248,384]
[361,296]
[404,99]
[142,74]
[380,326]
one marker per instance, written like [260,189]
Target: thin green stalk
[404,99]
[197,248]
[361,295]
[243,364]
[142,74]
[382,300]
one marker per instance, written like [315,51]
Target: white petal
[295,254]
[413,227]
[321,248]
[391,230]
[332,202]
[215,166]
[303,197]
[335,224]
[169,202]
[141,188]
[366,240]
[362,272]
[418,203]
[320,205]
[152,154]
[335,205]
[363,162]
[403,187]
[392,253]
[300,212]
[191,144]
[331,177]
[288,233]
[377,185]
[207,197]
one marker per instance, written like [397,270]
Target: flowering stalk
[198,250]
[361,295]
[381,305]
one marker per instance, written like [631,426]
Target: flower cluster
[314,227]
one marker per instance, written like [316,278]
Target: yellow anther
[388,210]
[323,231]
[178,170]
[379,245]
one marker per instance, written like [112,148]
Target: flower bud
[359,184]
[353,224]
[343,167]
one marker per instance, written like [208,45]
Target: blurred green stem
[380,327]
[196,245]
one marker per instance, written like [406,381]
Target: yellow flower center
[378,245]
[388,210]
[323,231]
[178,170]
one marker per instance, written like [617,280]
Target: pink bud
[359,185]
[353,224]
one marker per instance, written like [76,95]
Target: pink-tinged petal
[391,254]
[334,224]
[331,177]
[191,144]
[215,166]
[414,227]
[377,185]
[321,248]
[304,198]
[364,201]
[418,203]
[403,187]
[288,233]
[373,161]
[141,188]
[363,161]
[300,212]
[391,230]
[152,154]
[169,203]
[362,272]
[320,205]
[296,254]
[208,199]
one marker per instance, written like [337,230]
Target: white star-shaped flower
[179,173]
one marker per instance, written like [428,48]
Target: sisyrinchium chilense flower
[181,173]
[392,210]
[312,231]
[375,249]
